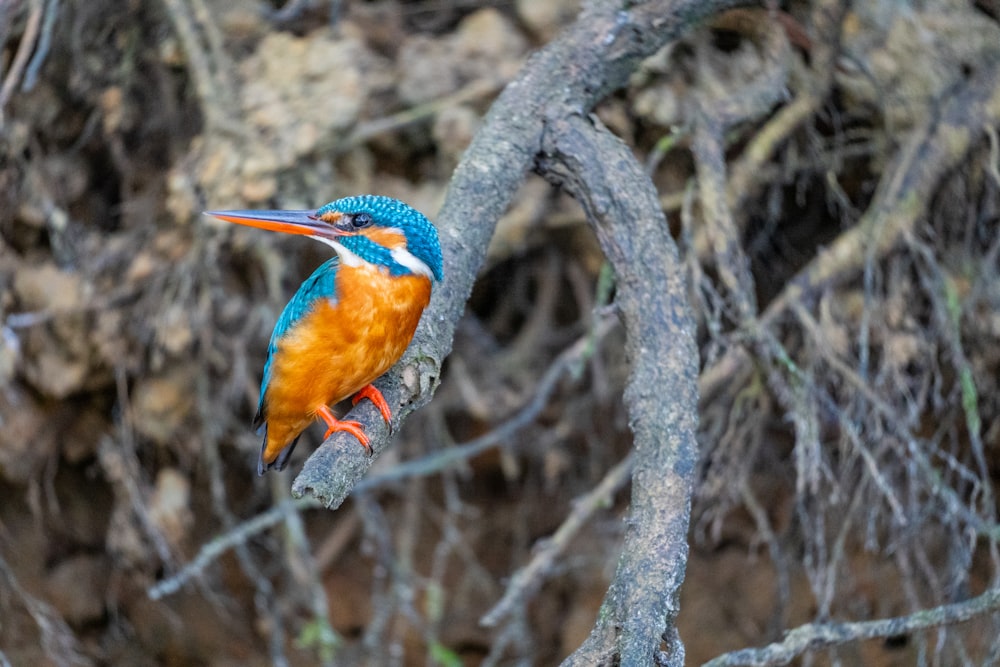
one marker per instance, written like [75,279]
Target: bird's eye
[359,220]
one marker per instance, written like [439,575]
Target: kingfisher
[349,322]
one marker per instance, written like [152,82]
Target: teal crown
[421,235]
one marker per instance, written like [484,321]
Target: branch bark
[815,636]
[601,172]
[592,58]
[541,120]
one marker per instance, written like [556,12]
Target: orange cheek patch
[388,238]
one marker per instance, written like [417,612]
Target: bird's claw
[375,396]
[335,425]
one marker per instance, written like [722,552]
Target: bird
[349,322]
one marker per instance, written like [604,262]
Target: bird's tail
[280,461]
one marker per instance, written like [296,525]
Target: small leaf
[444,656]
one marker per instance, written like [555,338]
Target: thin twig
[814,636]
[731,261]
[366,131]
[120,463]
[24,49]
[745,173]
[325,638]
[527,579]
[209,76]
[44,43]
[58,642]
[211,551]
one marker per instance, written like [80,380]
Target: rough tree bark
[661,395]
[541,121]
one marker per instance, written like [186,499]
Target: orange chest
[343,344]
[372,304]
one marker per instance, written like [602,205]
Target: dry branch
[903,197]
[813,636]
[238,535]
[541,115]
[592,58]
[531,576]
[600,171]
[27,45]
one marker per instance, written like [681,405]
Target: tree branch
[904,195]
[592,57]
[526,580]
[621,203]
[813,636]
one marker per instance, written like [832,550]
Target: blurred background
[133,332]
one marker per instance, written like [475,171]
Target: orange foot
[375,396]
[352,427]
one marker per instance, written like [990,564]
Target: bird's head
[380,231]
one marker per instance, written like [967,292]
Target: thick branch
[601,172]
[592,58]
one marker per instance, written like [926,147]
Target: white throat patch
[346,256]
[400,255]
[403,256]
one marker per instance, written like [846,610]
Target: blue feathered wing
[322,284]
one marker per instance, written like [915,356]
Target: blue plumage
[355,228]
[422,242]
[421,235]
[322,284]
